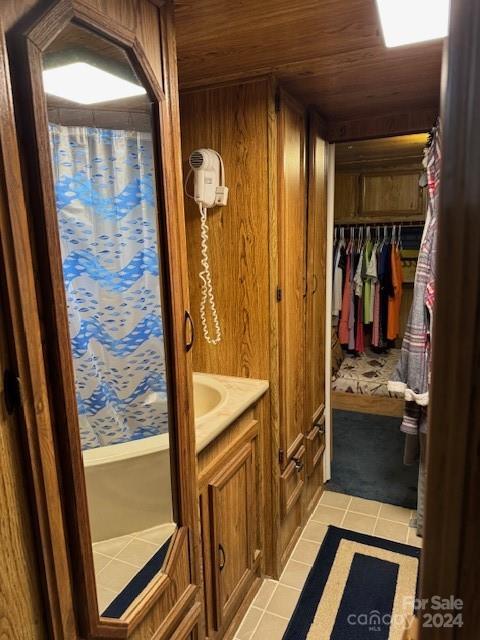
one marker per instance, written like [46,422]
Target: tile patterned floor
[118,560]
[269,613]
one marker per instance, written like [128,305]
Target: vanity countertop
[241,393]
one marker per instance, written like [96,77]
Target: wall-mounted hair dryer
[209,178]
[209,191]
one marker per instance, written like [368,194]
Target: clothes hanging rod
[364,225]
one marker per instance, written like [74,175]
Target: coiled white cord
[207,287]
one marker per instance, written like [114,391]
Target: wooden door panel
[316,247]
[232,507]
[292,227]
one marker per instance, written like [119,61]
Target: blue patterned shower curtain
[106,205]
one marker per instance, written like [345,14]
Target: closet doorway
[380,207]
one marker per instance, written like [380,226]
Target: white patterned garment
[107,215]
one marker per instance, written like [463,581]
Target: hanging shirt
[358,280]
[345,311]
[359,335]
[352,310]
[395,300]
[367,284]
[372,276]
[384,277]
[338,281]
[376,315]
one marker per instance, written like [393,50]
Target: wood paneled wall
[233,121]
[20,587]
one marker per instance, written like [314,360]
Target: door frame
[450,559]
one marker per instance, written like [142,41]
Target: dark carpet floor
[368,459]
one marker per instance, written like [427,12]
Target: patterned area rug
[359,588]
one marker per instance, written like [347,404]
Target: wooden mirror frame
[60,451]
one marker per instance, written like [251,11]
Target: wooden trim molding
[36,418]
[377,405]
[187,625]
[186,607]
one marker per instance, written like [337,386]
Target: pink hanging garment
[345,312]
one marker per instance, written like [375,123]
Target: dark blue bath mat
[368,459]
[356,589]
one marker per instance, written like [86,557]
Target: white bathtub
[128,487]
[128,484]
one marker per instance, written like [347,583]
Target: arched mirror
[105,277]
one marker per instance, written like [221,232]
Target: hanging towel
[412,374]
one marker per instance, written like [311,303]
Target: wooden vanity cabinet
[229,508]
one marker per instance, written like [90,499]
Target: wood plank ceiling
[329,53]
[401,149]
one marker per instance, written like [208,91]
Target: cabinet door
[292,270]
[232,512]
[316,251]
[391,194]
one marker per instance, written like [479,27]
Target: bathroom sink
[208,395]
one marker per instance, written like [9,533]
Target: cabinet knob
[298,464]
[221,557]
[321,428]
